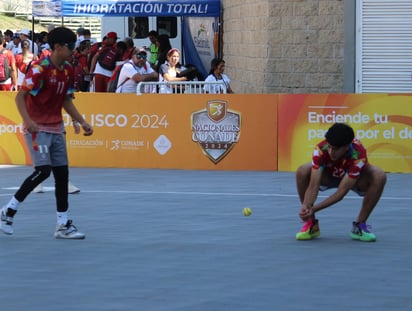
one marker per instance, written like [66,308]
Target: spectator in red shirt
[340,161]
[81,70]
[10,83]
[101,73]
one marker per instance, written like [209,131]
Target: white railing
[182,87]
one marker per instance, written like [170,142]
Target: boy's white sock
[13,203]
[61,218]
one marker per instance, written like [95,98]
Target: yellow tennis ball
[247,211]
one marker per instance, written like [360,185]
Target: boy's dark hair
[339,134]
[61,35]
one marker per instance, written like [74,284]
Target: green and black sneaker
[361,231]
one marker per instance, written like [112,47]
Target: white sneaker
[68,231]
[6,223]
[72,188]
[38,189]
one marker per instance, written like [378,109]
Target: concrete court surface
[177,240]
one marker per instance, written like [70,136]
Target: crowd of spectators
[95,62]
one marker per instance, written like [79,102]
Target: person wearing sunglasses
[136,70]
[47,88]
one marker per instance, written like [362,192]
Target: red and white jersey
[351,163]
[48,87]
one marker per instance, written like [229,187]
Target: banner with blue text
[204,8]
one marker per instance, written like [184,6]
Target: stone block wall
[284,46]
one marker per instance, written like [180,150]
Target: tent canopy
[199,8]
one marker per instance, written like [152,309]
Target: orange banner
[221,132]
[382,122]
[212,132]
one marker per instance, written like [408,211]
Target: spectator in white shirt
[216,75]
[136,70]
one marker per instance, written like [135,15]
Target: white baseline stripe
[208,193]
[234,194]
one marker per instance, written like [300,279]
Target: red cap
[111,35]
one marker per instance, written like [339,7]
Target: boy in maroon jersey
[339,161]
[48,88]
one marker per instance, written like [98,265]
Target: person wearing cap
[339,161]
[111,38]
[47,89]
[25,35]
[136,70]
[103,75]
